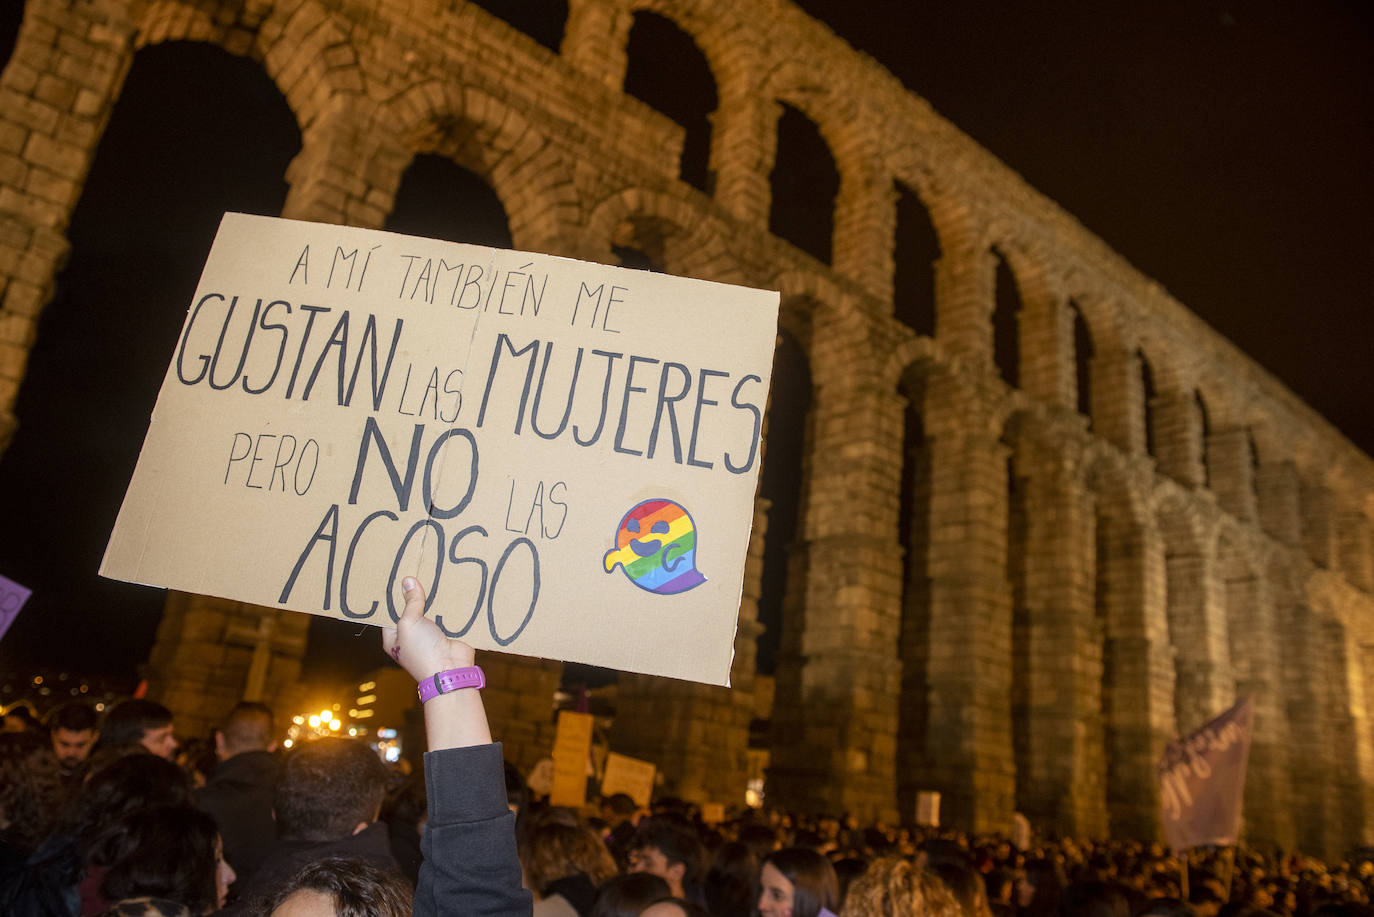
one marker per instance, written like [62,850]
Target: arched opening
[667,71]
[916,249]
[1006,317]
[1082,362]
[913,534]
[542,20]
[1147,393]
[167,167]
[1204,432]
[439,199]
[780,483]
[10,19]
[804,185]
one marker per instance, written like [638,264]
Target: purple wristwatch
[452,680]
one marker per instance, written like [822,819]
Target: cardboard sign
[563,453]
[631,776]
[713,813]
[928,808]
[12,599]
[572,745]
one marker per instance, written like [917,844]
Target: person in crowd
[326,803]
[966,886]
[336,885]
[669,849]
[1094,899]
[621,814]
[31,792]
[894,887]
[239,792]
[673,907]
[629,894]
[1039,888]
[730,881]
[64,875]
[166,862]
[563,865]
[140,722]
[73,730]
[19,718]
[797,882]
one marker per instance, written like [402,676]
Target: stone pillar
[1257,663]
[969,730]
[1276,484]
[199,664]
[1356,552]
[698,735]
[839,678]
[595,37]
[865,223]
[1231,457]
[1060,763]
[1203,685]
[1178,438]
[1048,370]
[1308,690]
[1350,796]
[1118,400]
[965,285]
[1319,524]
[744,132]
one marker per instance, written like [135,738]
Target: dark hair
[327,788]
[687,907]
[814,884]
[620,803]
[130,784]
[248,727]
[676,841]
[74,717]
[126,723]
[626,895]
[31,790]
[554,851]
[1047,878]
[965,884]
[358,888]
[1168,907]
[165,852]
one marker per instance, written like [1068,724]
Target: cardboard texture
[572,747]
[630,776]
[564,453]
[12,599]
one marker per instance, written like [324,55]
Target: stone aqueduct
[1068,591]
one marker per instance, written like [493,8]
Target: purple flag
[1202,780]
[12,598]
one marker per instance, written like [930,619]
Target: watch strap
[452,680]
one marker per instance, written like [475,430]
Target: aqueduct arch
[1140,558]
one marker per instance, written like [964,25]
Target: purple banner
[1202,780]
[12,598]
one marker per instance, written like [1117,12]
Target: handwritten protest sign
[12,599]
[631,776]
[563,453]
[1202,780]
[572,746]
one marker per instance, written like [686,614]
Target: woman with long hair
[894,887]
[169,861]
[797,882]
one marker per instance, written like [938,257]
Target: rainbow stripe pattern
[656,546]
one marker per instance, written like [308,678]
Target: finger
[415,598]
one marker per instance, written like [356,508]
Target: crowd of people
[104,817]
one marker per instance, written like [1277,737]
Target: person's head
[1039,886]
[666,849]
[171,852]
[20,718]
[629,894]
[893,887]
[73,730]
[112,793]
[797,882]
[248,727]
[30,787]
[329,789]
[966,886]
[339,887]
[556,850]
[618,807]
[140,722]
[672,907]
[1094,899]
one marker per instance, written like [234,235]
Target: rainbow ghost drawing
[656,546]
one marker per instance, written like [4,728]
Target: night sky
[1223,149]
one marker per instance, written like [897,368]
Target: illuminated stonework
[1071,589]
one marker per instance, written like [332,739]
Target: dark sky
[1224,150]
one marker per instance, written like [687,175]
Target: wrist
[450,680]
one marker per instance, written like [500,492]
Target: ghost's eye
[660,528]
[632,526]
